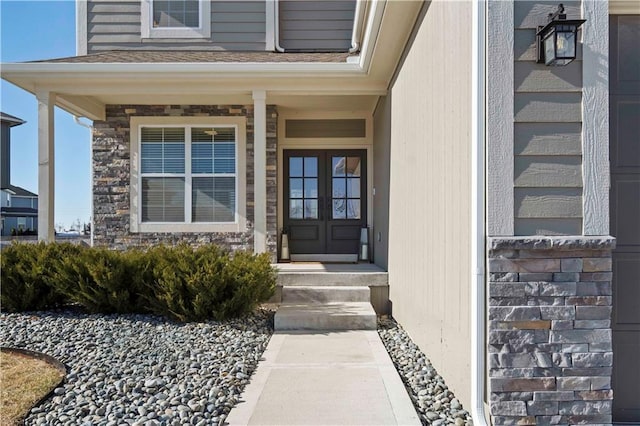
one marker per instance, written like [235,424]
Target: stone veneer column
[550,354]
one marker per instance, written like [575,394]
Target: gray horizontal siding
[316,25]
[530,14]
[548,107]
[548,226]
[548,139]
[548,203]
[113,6]
[115,18]
[548,171]
[235,6]
[235,25]
[115,27]
[532,77]
[547,130]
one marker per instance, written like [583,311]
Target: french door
[325,202]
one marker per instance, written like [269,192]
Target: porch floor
[325,378]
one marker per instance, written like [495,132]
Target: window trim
[135,212]
[148,31]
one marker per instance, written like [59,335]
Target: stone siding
[550,355]
[111,178]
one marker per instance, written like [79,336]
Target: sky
[33,30]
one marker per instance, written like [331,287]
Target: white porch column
[46,175]
[260,170]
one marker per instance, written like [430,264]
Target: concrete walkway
[325,378]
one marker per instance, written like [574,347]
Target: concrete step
[316,279]
[325,294]
[326,316]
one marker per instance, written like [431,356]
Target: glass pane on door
[345,187]
[303,188]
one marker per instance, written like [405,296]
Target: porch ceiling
[86,92]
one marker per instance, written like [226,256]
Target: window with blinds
[188,174]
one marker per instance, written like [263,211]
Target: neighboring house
[18,207]
[430,123]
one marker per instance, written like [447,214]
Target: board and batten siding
[423,132]
[547,131]
[316,25]
[235,25]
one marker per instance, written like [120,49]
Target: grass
[24,381]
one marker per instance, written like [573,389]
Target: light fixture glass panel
[565,45]
[549,49]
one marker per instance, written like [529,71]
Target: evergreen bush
[101,280]
[28,275]
[193,285]
[179,282]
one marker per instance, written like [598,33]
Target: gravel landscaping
[147,370]
[141,369]
[435,403]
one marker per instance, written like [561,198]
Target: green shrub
[194,285]
[102,280]
[250,281]
[27,273]
[178,282]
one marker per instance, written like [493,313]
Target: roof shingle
[173,56]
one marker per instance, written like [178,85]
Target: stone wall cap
[552,243]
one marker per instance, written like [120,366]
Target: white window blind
[168,177]
[162,199]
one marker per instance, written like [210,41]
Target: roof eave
[220,69]
[79,86]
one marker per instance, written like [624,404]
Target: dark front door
[325,204]
[624,137]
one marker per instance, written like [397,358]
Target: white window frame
[135,211]
[203,30]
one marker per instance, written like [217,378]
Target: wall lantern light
[557,41]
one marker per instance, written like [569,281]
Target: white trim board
[270,25]
[595,118]
[500,113]
[81,27]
